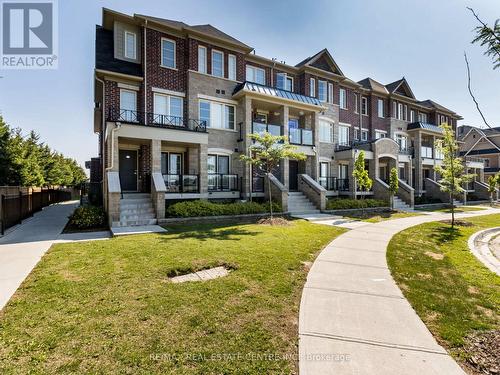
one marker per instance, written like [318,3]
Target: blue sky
[384,39]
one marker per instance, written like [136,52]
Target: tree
[493,184]
[393,185]
[266,154]
[5,163]
[489,37]
[452,168]
[361,177]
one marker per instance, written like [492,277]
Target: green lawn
[376,217]
[457,209]
[450,289]
[107,306]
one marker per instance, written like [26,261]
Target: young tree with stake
[361,177]
[393,185]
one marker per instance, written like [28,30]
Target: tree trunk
[270,196]
[452,211]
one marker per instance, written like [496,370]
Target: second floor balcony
[261,128]
[297,136]
[156,120]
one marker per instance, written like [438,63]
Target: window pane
[211,164]
[223,164]
[293,123]
[322,91]
[249,74]
[175,106]
[232,67]
[128,100]
[229,117]
[260,76]
[217,64]
[216,115]
[312,87]
[280,81]
[130,45]
[168,53]
[160,105]
[289,83]
[205,112]
[202,59]
[175,164]
[164,163]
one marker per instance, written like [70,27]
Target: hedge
[87,217]
[345,204]
[205,208]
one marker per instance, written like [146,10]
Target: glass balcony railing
[181,183]
[260,128]
[299,136]
[426,152]
[223,182]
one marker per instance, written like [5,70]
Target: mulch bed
[274,221]
[483,352]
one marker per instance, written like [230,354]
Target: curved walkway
[354,318]
[482,246]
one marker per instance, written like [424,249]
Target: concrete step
[135,201]
[131,223]
[136,217]
[308,212]
[137,211]
[302,206]
[135,206]
[136,196]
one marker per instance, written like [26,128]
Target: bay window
[217,115]
[254,74]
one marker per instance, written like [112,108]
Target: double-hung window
[284,82]
[167,110]
[356,103]
[412,115]
[380,134]
[322,91]
[168,53]
[364,135]
[422,117]
[231,67]
[325,131]
[402,141]
[254,74]
[130,45]
[380,108]
[343,99]
[330,93]
[202,59]
[400,111]
[356,134]
[364,106]
[343,135]
[217,115]
[128,106]
[217,63]
[312,87]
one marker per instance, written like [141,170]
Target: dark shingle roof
[104,55]
[371,84]
[481,152]
[433,105]
[425,126]
[394,85]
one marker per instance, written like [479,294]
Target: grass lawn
[457,209]
[107,307]
[453,293]
[375,217]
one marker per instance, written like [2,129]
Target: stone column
[417,162]
[285,172]
[409,172]
[246,130]
[352,182]
[155,156]
[202,171]
[315,158]
[157,196]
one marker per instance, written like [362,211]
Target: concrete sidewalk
[23,247]
[353,317]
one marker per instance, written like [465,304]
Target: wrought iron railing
[155,119]
[181,183]
[258,184]
[299,136]
[329,183]
[343,184]
[223,182]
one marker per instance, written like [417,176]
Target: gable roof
[400,84]
[321,60]
[206,29]
[433,105]
[371,84]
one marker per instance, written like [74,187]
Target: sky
[422,40]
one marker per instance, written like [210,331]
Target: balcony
[260,128]
[426,152]
[348,145]
[404,150]
[181,183]
[303,137]
[223,182]
[474,162]
[156,120]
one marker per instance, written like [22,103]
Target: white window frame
[169,97]
[380,134]
[330,93]
[254,70]
[215,51]
[343,98]
[231,70]
[286,79]
[380,108]
[129,116]
[325,98]
[205,62]
[344,126]
[364,106]
[330,124]
[210,125]
[400,111]
[356,134]
[356,103]
[364,134]
[312,87]
[175,53]
[412,115]
[134,56]
[405,113]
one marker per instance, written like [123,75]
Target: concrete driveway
[354,318]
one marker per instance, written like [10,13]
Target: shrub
[426,200]
[87,217]
[345,204]
[206,208]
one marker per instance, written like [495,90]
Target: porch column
[202,163]
[246,129]
[315,158]
[285,172]
[157,194]
[350,177]
[408,172]
[155,156]
[417,162]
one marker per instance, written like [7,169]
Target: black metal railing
[329,183]
[299,136]
[15,208]
[261,128]
[343,184]
[340,146]
[258,184]
[155,119]
[223,182]
[182,183]
[406,150]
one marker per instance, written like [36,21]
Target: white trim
[168,92]
[220,151]
[212,62]
[206,59]
[312,87]
[125,45]
[326,90]
[211,76]
[330,93]
[344,124]
[128,87]
[216,99]
[326,119]
[323,159]
[381,131]
[175,54]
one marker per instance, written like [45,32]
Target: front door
[293,168]
[128,170]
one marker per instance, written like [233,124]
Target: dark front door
[293,167]
[128,170]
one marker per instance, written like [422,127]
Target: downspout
[145,69]
[103,123]
[117,126]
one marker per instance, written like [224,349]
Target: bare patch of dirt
[434,256]
[424,276]
[458,223]
[482,350]
[307,265]
[274,221]
[472,290]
